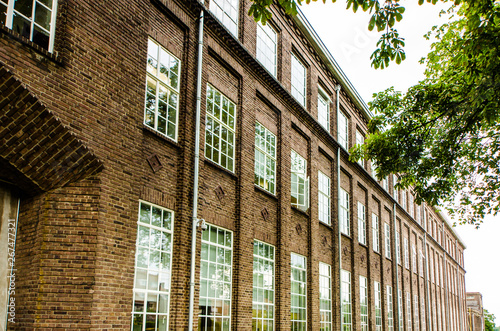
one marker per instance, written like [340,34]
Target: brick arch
[37,152]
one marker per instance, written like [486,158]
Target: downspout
[196,172]
[12,273]
[337,90]
[429,320]
[397,270]
[460,312]
[448,321]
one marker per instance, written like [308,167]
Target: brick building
[99,171]
[475,312]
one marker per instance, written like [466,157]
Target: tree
[489,321]
[442,137]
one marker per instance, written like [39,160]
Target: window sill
[260,189]
[146,129]
[346,235]
[303,212]
[42,52]
[329,226]
[364,245]
[216,166]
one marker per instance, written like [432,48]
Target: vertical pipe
[427,283]
[459,288]
[448,321]
[337,90]
[397,269]
[196,172]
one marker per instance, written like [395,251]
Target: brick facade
[77,227]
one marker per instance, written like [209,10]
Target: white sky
[347,37]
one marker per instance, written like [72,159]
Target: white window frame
[363,302]
[345,226]
[298,76]
[298,298]
[323,109]
[421,263]
[263,298]
[375,233]
[398,248]
[385,183]
[217,287]
[416,309]
[422,305]
[387,240]
[267,47]
[155,225]
[400,309]
[408,310]
[12,12]
[324,199]
[325,296]
[361,223]
[162,91]
[403,200]
[343,130]
[390,315]
[414,258]
[346,306]
[378,306]
[299,181]
[360,140]
[407,253]
[217,126]
[265,158]
[395,190]
[226,13]
[419,218]
[411,206]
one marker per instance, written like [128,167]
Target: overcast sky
[347,37]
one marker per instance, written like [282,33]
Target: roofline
[447,222]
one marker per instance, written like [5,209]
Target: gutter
[337,90]
[397,270]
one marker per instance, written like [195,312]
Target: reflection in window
[263,287]
[299,292]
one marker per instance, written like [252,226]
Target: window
[407,254]
[219,131]
[360,140]
[363,304]
[416,309]
[411,206]
[408,310]
[323,110]
[414,258]
[153,258]
[215,279]
[226,11]
[323,198]
[162,90]
[422,303]
[385,183]
[400,309]
[421,266]
[398,249]
[299,293]
[375,233]
[345,277]
[300,182]
[325,297]
[387,241]
[345,227]
[265,158]
[418,214]
[263,286]
[32,19]
[378,307]
[403,199]
[390,318]
[394,182]
[361,224]
[298,81]
[267,41]
[343,131]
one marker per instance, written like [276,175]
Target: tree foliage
[442,137]
[489,321]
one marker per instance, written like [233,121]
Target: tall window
[416,309]
[394,182]
[220,129]
[407,254]
[265,158]
[299,293]
[375,233]
[325,296]
[34,20]
[414,258]
[345,227]
[345,277]
[323,110]
[153,258]
[398,248]
[324,198]
[360,140]
[422,303]
[408,310]
[162,90]
[385,183]
[363,303]
[298,80]
[300,182]
[343,130]
[411,206]
[215,279]
[263,286]
[378,307]
[403,200]
[390,318]
[361,224]
[400,309]
[418,214]
[267,41]
[387,241]
[421,266]
[226,11]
